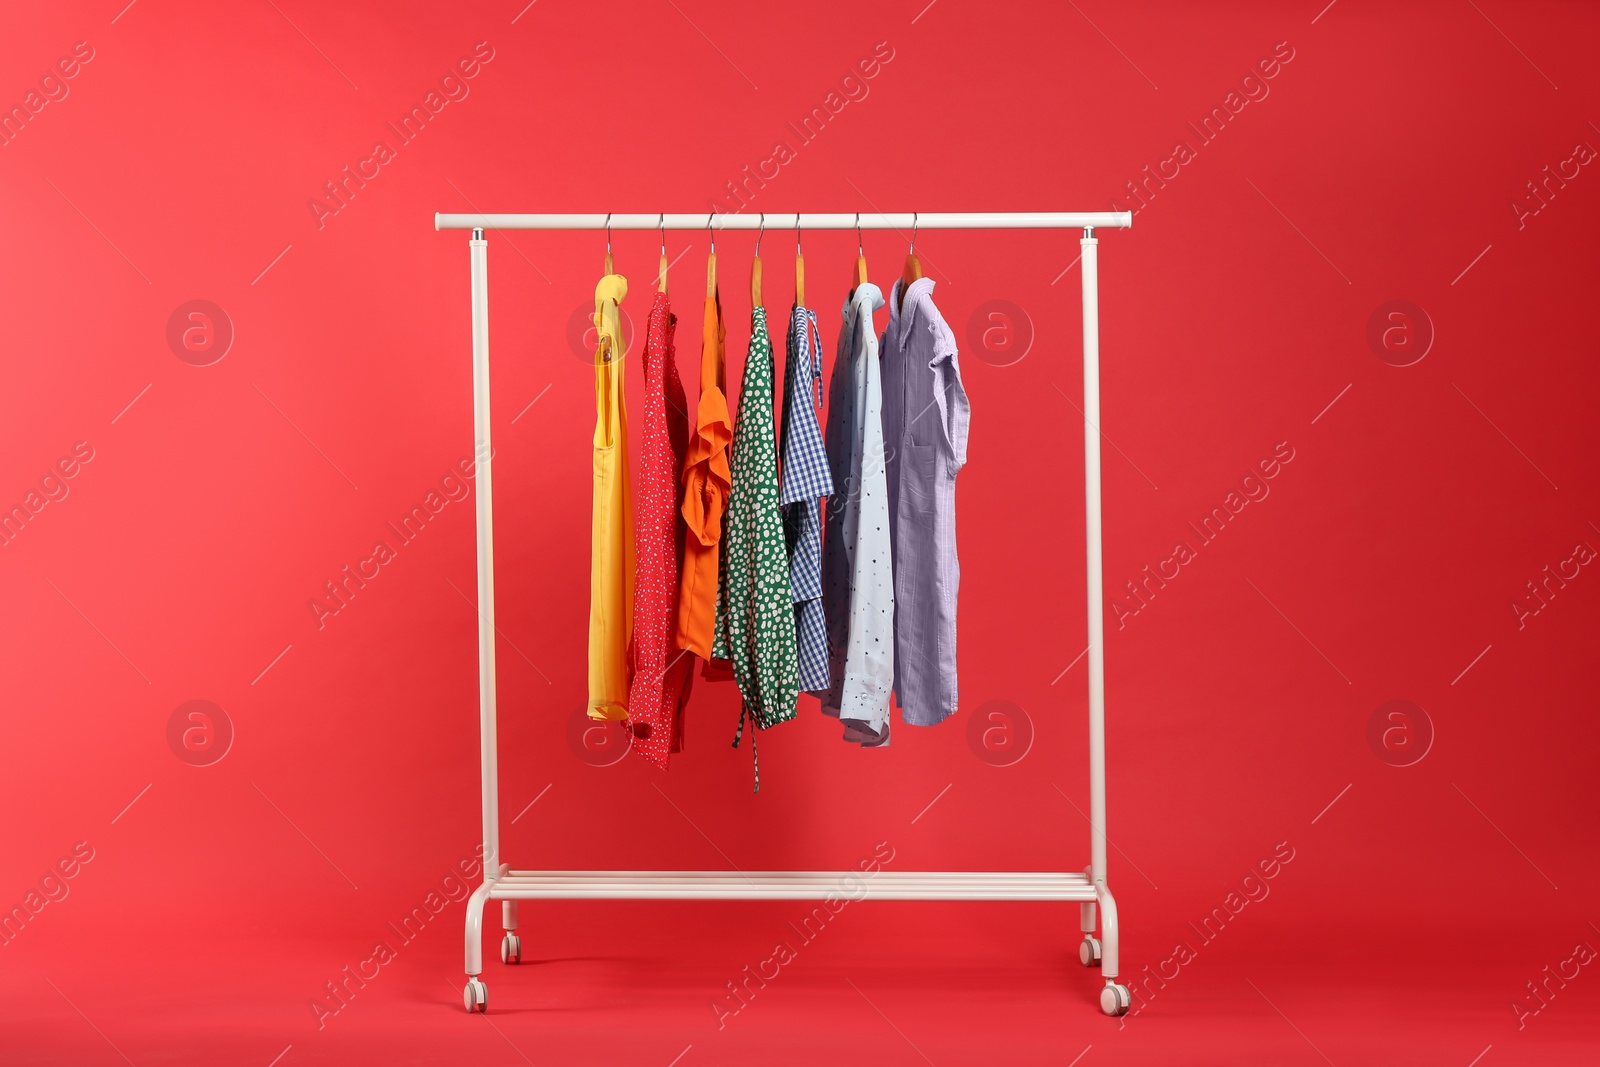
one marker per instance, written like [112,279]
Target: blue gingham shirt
[806,480]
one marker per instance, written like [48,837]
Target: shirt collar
[900,320]
[611,287]
[865,293]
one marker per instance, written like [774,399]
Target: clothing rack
[1089,888]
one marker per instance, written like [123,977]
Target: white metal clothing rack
[1088,889]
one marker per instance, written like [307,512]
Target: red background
[1381,166]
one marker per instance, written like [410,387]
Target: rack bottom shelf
[1098,911]
[792,885]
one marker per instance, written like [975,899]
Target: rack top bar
[948,220]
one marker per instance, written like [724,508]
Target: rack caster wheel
[1115,999]
[511,949]
[475,995]
[1089,952]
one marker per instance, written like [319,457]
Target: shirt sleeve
[955,411]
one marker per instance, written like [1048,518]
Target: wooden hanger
[799,266]
[913,270]
[711,262]
[860,277]
[661,271]
[755,267]
[604,354]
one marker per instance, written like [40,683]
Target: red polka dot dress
[661,670]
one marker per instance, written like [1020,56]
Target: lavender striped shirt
[925,417]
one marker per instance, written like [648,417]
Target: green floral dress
[755,606]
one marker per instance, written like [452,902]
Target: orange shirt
[706,483]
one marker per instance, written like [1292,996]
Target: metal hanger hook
[860,249]
[663,225]
[608,233]
[797,233]
[712,232]
[913,233]
[759,231]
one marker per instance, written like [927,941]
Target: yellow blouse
[611,540]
